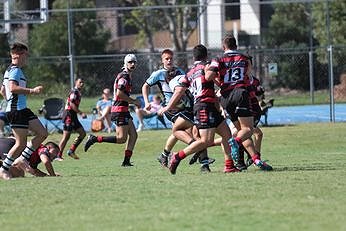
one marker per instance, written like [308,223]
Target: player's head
[79,83]
[106,93]
[200,53]
[229,43]
[157,98]
[53,150]
[130,61]
[19,52]
[167,58]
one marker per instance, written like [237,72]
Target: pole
[330,66]
[70,44]
[311,59]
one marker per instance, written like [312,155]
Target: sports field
[306,190]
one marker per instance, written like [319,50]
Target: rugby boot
[173,163]
[91,139]
[230,169]
[71,153]
[163,159]
[126,162]
[233,144]
[263,165]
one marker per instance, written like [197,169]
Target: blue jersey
[186,100]
[160,78]
[14,101]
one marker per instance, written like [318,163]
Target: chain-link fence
[100,38]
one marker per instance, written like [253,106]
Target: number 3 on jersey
[234,75]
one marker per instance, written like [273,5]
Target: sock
[239,141]
[229,164]
[165,153]
[75,144]
[107,139]
[256,158]
[27,153]
[7,163]
[128,153]
[203,155]
[181,154]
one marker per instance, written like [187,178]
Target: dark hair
[53,144]
[200,52]
[167,51]
[18,47]
[230,42]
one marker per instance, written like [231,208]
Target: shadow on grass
[307,168]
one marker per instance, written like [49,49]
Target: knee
[121,139]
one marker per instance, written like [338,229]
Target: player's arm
[75,108]
[145,93]
[179,91]
[3,91]
[16,89]
[122,95]
[48,165]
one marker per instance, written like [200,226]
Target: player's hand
[161,111]
[147,107]
[37,90]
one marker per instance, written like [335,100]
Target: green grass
[304,192]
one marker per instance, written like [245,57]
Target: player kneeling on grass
[45,154]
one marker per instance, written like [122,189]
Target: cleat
[230,170]
[249,162]
[163,159]
[194,158]
[233,144]
[173,163]
[264,166]
[91,139]
[73,155]
[205,168]
[211,160]
[59,159]
[5,175]
[126,164]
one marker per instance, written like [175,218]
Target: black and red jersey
[35,156]
[123,82]
[202,90]
[74,97]
[233,70]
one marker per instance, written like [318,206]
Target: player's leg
[132,133]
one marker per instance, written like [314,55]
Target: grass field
[306,191]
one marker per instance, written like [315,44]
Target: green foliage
[304,192]
[287,29]
[337,22]
[51,39]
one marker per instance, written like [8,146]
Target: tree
[287,30]
[51,39]
[337,22]
[180,21]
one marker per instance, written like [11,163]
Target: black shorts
[3,117]
[121,118]
[256,112]
[5,145]
[20,118]
[236,103]
[207,116]
[70,120]
[186,114]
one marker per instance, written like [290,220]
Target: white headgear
[129,57]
